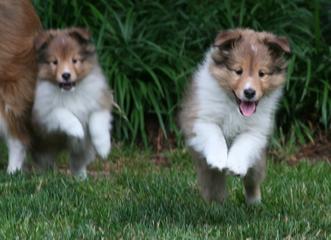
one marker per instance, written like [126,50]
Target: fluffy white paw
[253,200]
[81,174]
[102,147]
[217,161]
[75,130]
[11,169]
[17,154]
[100,125]
[237,166]
[65,121]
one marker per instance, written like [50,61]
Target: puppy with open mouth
[72,108]
[228,112]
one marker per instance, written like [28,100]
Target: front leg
[60,119]
[17,154]
[100,126]
[245,151]
[81,154]
[210,142]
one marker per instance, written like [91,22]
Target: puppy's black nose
[249,93]
[66,76]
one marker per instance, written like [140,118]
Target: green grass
[150,49]
[139,200]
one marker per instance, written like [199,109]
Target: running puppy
[19,25]
[228,113]
[72,109]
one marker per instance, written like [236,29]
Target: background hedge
[149,49]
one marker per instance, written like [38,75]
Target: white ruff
[227,139]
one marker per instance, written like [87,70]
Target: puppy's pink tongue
[247,108]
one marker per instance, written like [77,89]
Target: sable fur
[74,113]
[19,24]
[226,131]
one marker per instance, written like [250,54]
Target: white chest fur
[81,101]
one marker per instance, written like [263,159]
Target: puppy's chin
[67,86]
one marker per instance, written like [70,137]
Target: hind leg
[17,154]
[252,182]
[212,182]
[82,153]
[44,160]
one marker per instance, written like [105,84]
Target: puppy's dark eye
[55,62]
[239,72]
[261,74]
[74,61]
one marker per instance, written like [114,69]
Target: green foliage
[142,201]
[149,49]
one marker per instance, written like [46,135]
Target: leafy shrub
[149,49]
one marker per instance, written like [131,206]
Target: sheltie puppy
[19,25]
[228,113]
[72,108]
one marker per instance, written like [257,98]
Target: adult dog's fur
[19,25]
[228,112]
[72,109]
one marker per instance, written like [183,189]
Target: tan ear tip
[286,44]
[226,36]
[83,32]
[282,43]
[40,40]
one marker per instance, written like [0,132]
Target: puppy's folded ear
[224,43]
[84,38]
[277,45]
[82,35]
[41,40]
[226,40]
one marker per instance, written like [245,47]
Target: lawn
[138,199]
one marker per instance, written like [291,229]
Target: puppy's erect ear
[41,40]
[82,35]
[226,40]
[277,45]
